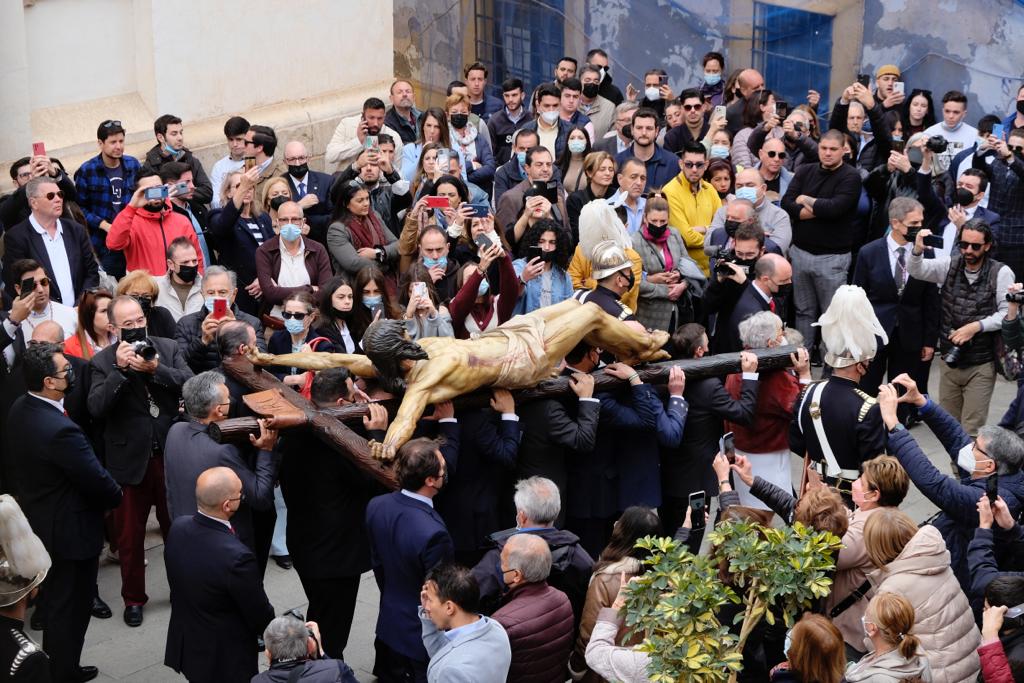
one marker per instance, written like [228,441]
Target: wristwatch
[898,428]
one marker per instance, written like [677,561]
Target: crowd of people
[872,234]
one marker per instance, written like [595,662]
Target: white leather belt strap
[832,468]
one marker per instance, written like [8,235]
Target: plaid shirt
[1006,197]
[94,193]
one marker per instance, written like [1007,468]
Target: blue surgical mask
[521,158]
[293,326]
[170,150]
[719,151]
[483,288]
[209,303]
[712,79]
[290,232]
[748,193]
[371,301]
[435,262]
[577,146]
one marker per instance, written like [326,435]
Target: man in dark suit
[218,606]
[64,491]
[326,496]
[970,190]
[138,398]
[408,538]
[311,189]
[770,277]
[190,450]
[907,308]
[60,245]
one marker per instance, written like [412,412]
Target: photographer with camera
[1013,339]
[957,134]
[136,386]
[974,287]
[295,654]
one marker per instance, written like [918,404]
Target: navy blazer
[23,242]
[218,606]
[936,212]
[914,315]
[408,538]
[317,216]
[727,336]
[62,487]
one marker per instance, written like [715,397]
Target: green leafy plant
[674,604]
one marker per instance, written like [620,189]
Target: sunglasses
[44,281]
[692,107]
[298,316]
[1017,149]
[973,246]
[111,124]
[51,195]
[694,164]
[772,155]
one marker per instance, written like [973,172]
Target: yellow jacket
[580,270]
[686,210]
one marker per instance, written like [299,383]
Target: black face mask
[342,315]
[1020,106]
[731,227]
[784,291]
[656,231]
[135,334]
[548,256]
[69,379]
[963,197]
[747,263]
[276,202]
[723,195]
[298,171]
[912,233]
[631,278]
[459,120]
[627,131]
[146,303]
[590,90]
[187,274]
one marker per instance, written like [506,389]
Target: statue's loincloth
[526,361]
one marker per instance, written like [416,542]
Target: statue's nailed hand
[383,452]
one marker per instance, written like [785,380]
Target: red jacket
[539,622]
[769,432]
[143,237]
[995,668]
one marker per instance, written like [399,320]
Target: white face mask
[652,94]
[549,117]
[965,458]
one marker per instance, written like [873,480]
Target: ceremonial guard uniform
[607,300]
[836,425]
[608,258]
[21,658]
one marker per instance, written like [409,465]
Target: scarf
[662,241]
[367,231]
[465,141]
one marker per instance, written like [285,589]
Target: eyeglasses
[692,107]
[111,124]
[695,164]
[298,316]
[240,498]
[973,246]
[772,155]
[50,195]
[296,160]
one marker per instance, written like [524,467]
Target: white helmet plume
[599,223]
[849,328]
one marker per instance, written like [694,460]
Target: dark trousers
[130,519]
[332,605]
[893,360]
[70,587]
[263,522]
[393,667]
[594,532]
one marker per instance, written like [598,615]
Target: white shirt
[893,250]
[293,271]
[416,496]
[217,519]
[959,140]
[59,405]
[64,316]
[59,262]
[221,170]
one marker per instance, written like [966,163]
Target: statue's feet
[382,452]
[655,350]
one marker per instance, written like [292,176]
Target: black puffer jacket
[202,357]
[316,671]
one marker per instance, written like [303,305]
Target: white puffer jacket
[944,623]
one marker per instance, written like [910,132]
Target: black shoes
[283,561]
[100,609]
[133,615]
[86,673]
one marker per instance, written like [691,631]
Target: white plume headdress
[599,223]
[23,558]
[849,328]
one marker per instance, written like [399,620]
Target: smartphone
[419,289]
[898,145]
[933,241]
[483,242]
[997,130]
[663,79]
[438,202]
[546,189]
[864,79]
[899,87]
[28,286]
[370,142]
[158,192]
[719,112]
[482,210]
[375,311]
[181,188]
[992,487]
[249,162]
[727,446]
[220,308]
[534,251]
[1013,617]
[38,149]
[781,109]
[697,510]
[444,159]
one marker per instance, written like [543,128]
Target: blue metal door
[793,51]
[519,39]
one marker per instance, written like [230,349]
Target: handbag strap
[851,599]
[316,340]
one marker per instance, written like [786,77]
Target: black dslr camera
[724,257]
[937,144]
[1015,297]
[952,356]
[144,349]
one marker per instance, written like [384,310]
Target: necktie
[900,273]
[302,190]
[771,304]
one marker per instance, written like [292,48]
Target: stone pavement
[136,654]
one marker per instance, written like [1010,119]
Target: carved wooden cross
[289,409]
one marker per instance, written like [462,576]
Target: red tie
[771,305]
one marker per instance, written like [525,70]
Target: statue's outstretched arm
[356,363]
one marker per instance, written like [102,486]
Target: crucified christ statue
[520,353]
